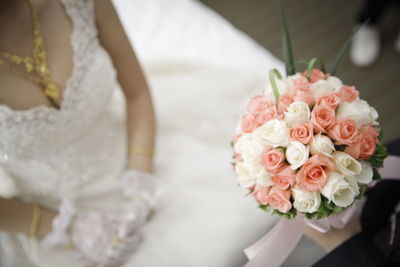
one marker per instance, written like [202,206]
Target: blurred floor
[319,29]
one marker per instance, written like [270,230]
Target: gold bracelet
[141,150]
[35,221]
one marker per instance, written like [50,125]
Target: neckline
[68,82]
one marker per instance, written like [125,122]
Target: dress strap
[83,40]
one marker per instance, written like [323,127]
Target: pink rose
[316,75]
[284,101]
[314,174]
[302,132]
[332,100]
[299,84]
[284,178]
[305,97]
[258,104]
[354,150]
[371,131]
[249,123]
[266,115]
[348,93]
[322,118]
[272,159]
[279,199]
[344,132]
[366,145]
[260,194]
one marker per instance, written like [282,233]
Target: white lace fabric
[83,140]
[77,151]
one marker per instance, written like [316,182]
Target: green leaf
[311,64]
[363,189]
[322,210]
[287,47]
[380,136]
[377,175]
[272,74]
[343,50]
[337,209]
[266,208]
[379,156]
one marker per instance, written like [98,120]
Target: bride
[66,143]
[78,155]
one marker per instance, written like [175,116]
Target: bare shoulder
[105,12]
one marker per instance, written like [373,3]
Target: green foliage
[380,136]
[272,74]
[311,64]
[266,208]
[363,189]
[376,175]
[287,47]
[288,215]
[379,156]
[325,209]
[291,214]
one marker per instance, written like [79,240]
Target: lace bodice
[51,153]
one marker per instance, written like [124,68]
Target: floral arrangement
[308,144]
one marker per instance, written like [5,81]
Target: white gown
[202,72]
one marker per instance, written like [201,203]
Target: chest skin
[16,36]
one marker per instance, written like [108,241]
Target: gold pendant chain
[35,66]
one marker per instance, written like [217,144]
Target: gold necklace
[34,67]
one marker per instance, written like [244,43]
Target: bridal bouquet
[308,143]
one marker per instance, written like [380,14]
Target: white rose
[321,144]
[306,201]
[251,173]
[263,178]
[366,174]
[323,87]
[346,164]
[335,83]
[353,183]
[248,147]
[374,116]
[273,133]
[282,89]
[338,190]
[245,177]
[296,154]
[359,111]
[297,112]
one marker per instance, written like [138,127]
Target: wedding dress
[201,72]
[77,152]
